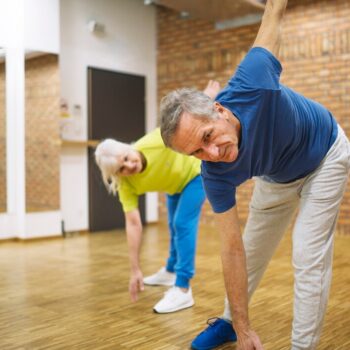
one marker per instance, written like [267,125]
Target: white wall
[41,23]
[128,45]
[39,27]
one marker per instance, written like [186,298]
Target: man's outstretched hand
[249,341]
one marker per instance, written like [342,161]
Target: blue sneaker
[217,333]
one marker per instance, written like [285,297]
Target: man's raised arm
[269,34]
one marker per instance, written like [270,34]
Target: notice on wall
[71,121]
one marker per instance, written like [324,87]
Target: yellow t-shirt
[166,171]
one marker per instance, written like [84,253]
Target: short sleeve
[127,198]
[221,195]
[260,69]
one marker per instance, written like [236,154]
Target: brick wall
[2,140]
[315,55]
[42,133]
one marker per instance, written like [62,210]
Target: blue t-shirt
[284,135]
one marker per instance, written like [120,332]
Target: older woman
[148,166]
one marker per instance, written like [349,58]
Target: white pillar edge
[15,137]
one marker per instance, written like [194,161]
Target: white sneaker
[174,299]
[160,278]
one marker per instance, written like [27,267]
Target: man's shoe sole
[211,347]
[207,348]
[194,347]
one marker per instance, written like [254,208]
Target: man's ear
[220,109]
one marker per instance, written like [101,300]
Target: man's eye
[125,158]
[207,137]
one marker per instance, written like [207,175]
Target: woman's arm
[134,237]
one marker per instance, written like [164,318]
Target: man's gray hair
[174,104]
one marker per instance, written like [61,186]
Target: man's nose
[212,151]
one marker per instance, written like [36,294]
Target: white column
[15,138]
[15,121]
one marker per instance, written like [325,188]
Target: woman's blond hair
[107,154]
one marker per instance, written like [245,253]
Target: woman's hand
[135,284]
[212,89]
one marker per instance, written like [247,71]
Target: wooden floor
[72,294]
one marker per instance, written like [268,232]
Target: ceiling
[215,10]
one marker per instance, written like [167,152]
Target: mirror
[2,132]
[42,98]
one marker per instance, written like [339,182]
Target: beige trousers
[318,197]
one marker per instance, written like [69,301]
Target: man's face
[214,140]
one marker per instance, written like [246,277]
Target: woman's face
[131,163]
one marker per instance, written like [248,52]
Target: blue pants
[184,211]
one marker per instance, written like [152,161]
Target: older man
[258,127]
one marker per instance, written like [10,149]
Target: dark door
[116,110]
